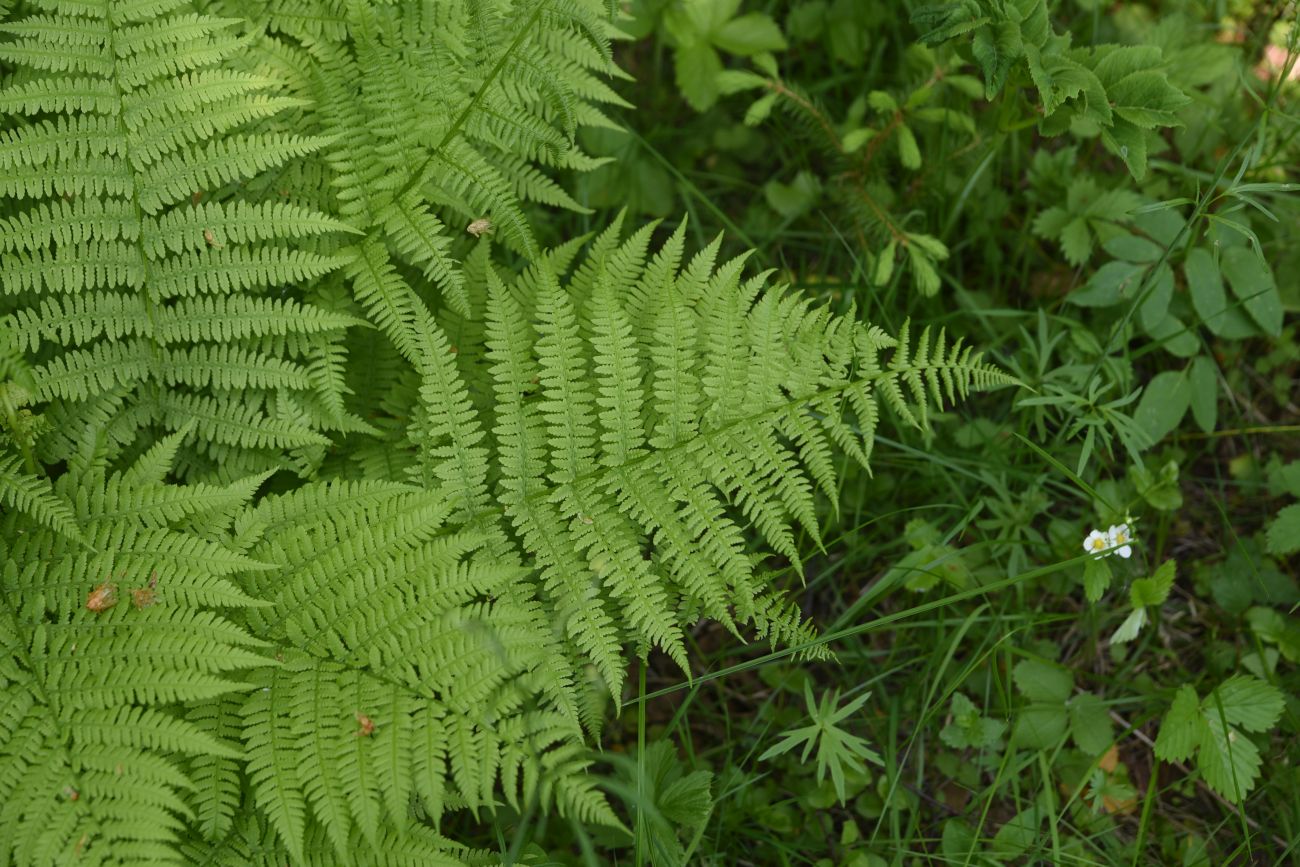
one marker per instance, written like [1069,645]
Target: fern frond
[402,642]
[32,496]
[100,641]
[135,114]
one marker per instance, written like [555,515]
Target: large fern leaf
[127,249]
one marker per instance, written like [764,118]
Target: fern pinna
[323,523]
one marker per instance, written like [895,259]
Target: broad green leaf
[1283,535]
[1133,248]
[795,198]
[1285,480]
[1175,336]
[1182,728]
[1076,241]
[1096,578]
[1159,488]
[1252,282]
[1018,834]
[1146,99]
[969,728]
[1163,404]
[1043,681]
[749,34]
[1090,723]
[1112,283]
[1040,727]
[1159,292]
[1129,142]
[697,67]
[1246,701]
[1205,284]
[958,840]
[1130,628]
[1204,382]
[1228,760]
[1153,590]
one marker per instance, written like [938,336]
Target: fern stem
[524,29]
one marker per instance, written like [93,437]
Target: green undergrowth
[665,432]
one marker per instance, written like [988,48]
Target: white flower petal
[1125,552]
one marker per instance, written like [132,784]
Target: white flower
[1119,538]
[1096,542]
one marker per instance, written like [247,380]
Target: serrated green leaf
[1283,533]
[1090,723]
[1229,761]
[1042,681]
[1246,701]
[1096,578]
[1153,590]
[1076,241]
[1182,728]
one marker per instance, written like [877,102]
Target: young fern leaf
[117,278]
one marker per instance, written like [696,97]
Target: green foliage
[837,749]
[1121,90]
[327,527]
[357,431]
[1054,709]
[1283,533]
[1212,728]
[666,800]
[969,728]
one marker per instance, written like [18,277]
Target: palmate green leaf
[665,799]
[1212,728]
[836,748]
